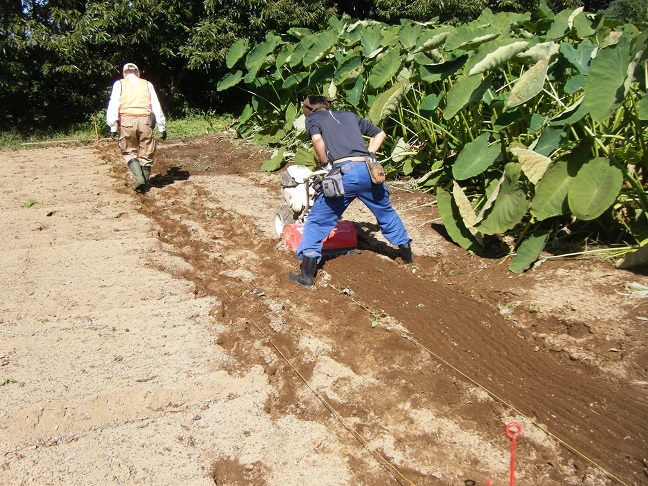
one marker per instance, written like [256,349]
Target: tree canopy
[60,57]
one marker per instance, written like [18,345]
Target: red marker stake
[513,434]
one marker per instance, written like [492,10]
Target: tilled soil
[155,338]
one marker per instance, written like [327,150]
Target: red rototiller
[299,187]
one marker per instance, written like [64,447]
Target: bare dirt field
[156,339]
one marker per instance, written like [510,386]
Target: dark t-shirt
[342,132]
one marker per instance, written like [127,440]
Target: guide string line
[396,474]
[492,394]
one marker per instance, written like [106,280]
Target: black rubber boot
[136,169]
[146,172]
[406,254]
[307,276]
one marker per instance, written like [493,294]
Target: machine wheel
[283,217]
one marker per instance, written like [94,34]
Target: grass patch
[192,125]
[195,124]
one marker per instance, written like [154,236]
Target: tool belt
[376,171]
[360,158]
[332,185]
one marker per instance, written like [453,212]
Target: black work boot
[307,276]
[136,169]
[406,254]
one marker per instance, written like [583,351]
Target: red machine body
[342,239]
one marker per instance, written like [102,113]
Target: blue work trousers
[326,212]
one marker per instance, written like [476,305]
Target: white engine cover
[299,172]
[296,196]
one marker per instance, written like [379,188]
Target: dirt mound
[156,339]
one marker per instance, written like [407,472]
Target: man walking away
[134,109]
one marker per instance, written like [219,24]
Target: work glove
[163,135]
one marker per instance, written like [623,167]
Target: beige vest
[135,99]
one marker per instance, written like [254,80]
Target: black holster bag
[332,183]
[152,120]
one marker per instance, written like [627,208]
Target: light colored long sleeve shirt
[112,112]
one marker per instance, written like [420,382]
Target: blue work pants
[326,212]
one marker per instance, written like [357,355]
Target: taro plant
[533,130]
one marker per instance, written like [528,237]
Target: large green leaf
[529,250]
[229,80]
[528,85]
[538,52]
[322,46]
[436,72]
[534,165]
[544,11]
[284,55]
[643,108]
[306,157]
[390,38]
[466,90]
[300,51]
[550,197]
[401,150]
[638,53]
[452,221]
[604,84]
[299,32]
[574,84]
[595,188]
[337,24]
[429,104]
[259,53]
[236,52]
[579,56]
[355,93]
[322,74]
[291,113]
[475,158]
[348,70]
[560,26]
[275,162]
[510,206]
[385,69]
[299,124]
[408,35]
[550,139]
[387,103]
[470,37]
[583,25]
[247,113]
[498,57]
[371,41]
[432,39]
[294,80]
[467,212]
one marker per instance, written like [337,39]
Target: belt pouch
[332,183]
[376,171]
